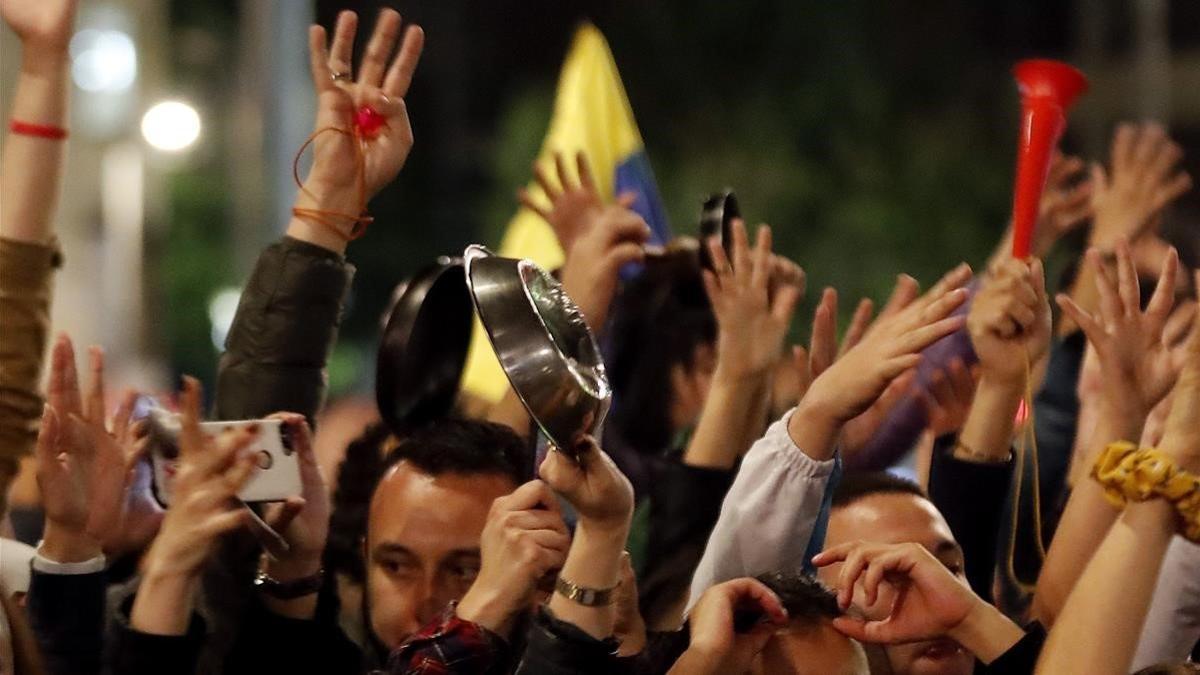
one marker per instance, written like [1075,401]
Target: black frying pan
[424,347]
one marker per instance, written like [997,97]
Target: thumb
[285,513]
[1097,177]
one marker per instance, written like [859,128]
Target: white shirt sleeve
[1172,625]
[41,563]
[768,516]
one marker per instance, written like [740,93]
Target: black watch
[289,590]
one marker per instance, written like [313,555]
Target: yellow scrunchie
[1132,474]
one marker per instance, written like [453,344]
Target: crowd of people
[735,515]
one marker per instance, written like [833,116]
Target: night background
[876,137]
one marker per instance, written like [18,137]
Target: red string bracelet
[54,133]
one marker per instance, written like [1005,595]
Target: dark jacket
[66,612]
[971,497]
[135,652]
[559,648]
[275,356]
[685,502]
[270,643]
[1021,658]
[283,333]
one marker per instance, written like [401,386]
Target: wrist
[45,61]
[286,570]
[814,426]
[68,545]
[491,608]
[737,379]
[985,632]
[317,196]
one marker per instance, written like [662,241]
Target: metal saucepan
[424,347]
[543,344]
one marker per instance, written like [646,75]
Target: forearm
[283,333]
[987,633]
[32,165]
[1086,520]
[728,424]
[1101,621]
[814,429]
[163,605]
[988,430]
[594,561]
[753,534]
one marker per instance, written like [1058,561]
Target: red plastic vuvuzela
[1048,88]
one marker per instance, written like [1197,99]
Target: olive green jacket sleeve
[283,333]
[26,287]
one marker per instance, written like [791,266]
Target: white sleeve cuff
[45,565]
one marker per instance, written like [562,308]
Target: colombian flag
[592,114]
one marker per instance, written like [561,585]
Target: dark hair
[1170,669]
[357,475]
[804,597]
[858,484]
[465,446]
[659,319]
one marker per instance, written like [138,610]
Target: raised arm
[204,507]
[1099,626]
[287,321]
[1127,199]
[772,518]
[1138,369]
[29,186]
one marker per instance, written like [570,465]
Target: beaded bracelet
[1132,474]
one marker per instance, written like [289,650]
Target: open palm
[341,97]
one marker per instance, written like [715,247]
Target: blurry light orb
[171,126]
[103,60]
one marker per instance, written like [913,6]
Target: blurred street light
[103,61]
[171,126]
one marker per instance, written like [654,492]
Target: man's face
[422,545]
[897,518]
[816,649]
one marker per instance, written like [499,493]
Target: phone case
[278,474]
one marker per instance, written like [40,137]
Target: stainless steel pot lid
[542,342]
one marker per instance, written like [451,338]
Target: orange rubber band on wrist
[334,219]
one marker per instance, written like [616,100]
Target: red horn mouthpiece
[1048,89]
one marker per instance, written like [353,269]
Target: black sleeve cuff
[137,652]
[557,646]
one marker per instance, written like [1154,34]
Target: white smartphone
[278,473]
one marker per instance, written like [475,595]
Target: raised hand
[1142,179]
[303,521]
[1137,364]
[45,26]
[574,205]
[1181,434]
[597,239]
[752,322]
[204,501]
[1009,321]
[334,184]
[204,506]
[592,483]
[715,645]
[524,539]
[889,348]
[921,598]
